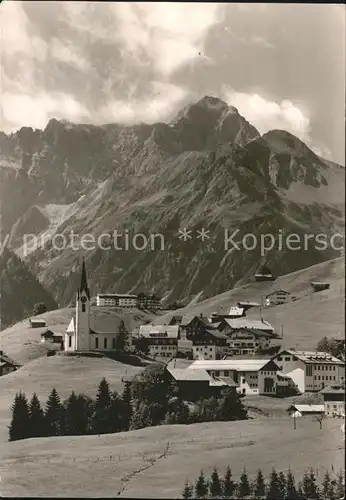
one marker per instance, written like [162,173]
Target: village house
[7,365]
[302,410]
[252,376]
[234,312]
[162,340]
[228,326]
[49,337]
[247,304]
[92,333]
[249,341]
[310,370]
[204,337]
[334,399]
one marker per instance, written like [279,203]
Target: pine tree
[259,487]
[100,419]
[231,407]
[54,415]
[140,417]
[310,488]
[291,492]
[77,414]
[201,486]
[19,427]
[244,488]
[187,491]
[327,487]
[215,487]
[114,414]
[228,485]
[340,486]
[274,492]
[282,484]
[121,338]
[127,409]
[36,418]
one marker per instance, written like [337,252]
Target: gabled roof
[153,331]
[241,365]
[237,323]
[313,357]
[307,408]
[257,333]
[184,375]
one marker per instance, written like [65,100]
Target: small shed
[318,286]
[38,323]
[302,410]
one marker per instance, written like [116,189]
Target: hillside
[66,373]
[154,462]
[22,343]
[20,290]
[208,168]
[306,321]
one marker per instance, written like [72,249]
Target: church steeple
[84,282]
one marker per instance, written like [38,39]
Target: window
[96,343]
[83,308]
[69,341]
[113,343]
[105,343]
[287,358]
[217,373]
[226,373]
[308,370]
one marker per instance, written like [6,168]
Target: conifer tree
[231,407]
[228,485]
[114,414]
[127,409]
[282,484]
[300,493]
[274,492]
[310,488]
[201,486]
[54,415]
[100,419]
[77,414]
[259,488]
[19,427]
[328,487]
[187,491]
[36,418]
[291,492]
[340,486]
[244,488]
[215,487]
[140,417]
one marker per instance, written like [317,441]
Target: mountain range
[206,169]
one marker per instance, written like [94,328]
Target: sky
[281,65]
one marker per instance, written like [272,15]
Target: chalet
[175,320]
[197,384]
[318,286]
[301,410]
[92,332]
[247,304]
[7,365]
[264,274]
[162,340]
[334,399]
[37,323]
[310,370]
[234,312]
[206,340]
[252,376]
[50,337]
[245,341]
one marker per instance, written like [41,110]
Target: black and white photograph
[172,250]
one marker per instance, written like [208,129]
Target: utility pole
[282,332]
[294,416]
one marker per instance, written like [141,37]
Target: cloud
[68,54]
[266,115]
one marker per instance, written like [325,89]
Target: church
[92,329]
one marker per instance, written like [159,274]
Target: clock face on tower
[83,300]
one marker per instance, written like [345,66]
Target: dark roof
[84,282]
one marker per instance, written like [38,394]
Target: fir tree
[291,492]
[19,427]
[231,407]
[140,417]
[282,484]
[127,409]
[100,419]
[244,488]
[54,415]
[228,485]
[215,487]
[201,486]
[328,487]
[259,487]
[340,485]
[274,492]
[187,491]
[310,488]
[121,338]
[36,418]
[77,412]
[114,414]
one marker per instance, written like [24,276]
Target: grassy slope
[305,321]
[22,343]
[128,463]
[65,373]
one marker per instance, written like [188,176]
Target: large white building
[162,339]
[87,332]
[116,300]
[311,371]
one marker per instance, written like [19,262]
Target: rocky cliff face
[208,168]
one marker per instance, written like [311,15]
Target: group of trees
[152,398]
[279,486]
[333,346]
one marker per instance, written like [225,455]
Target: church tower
[83,314]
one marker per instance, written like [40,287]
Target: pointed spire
[84,283]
